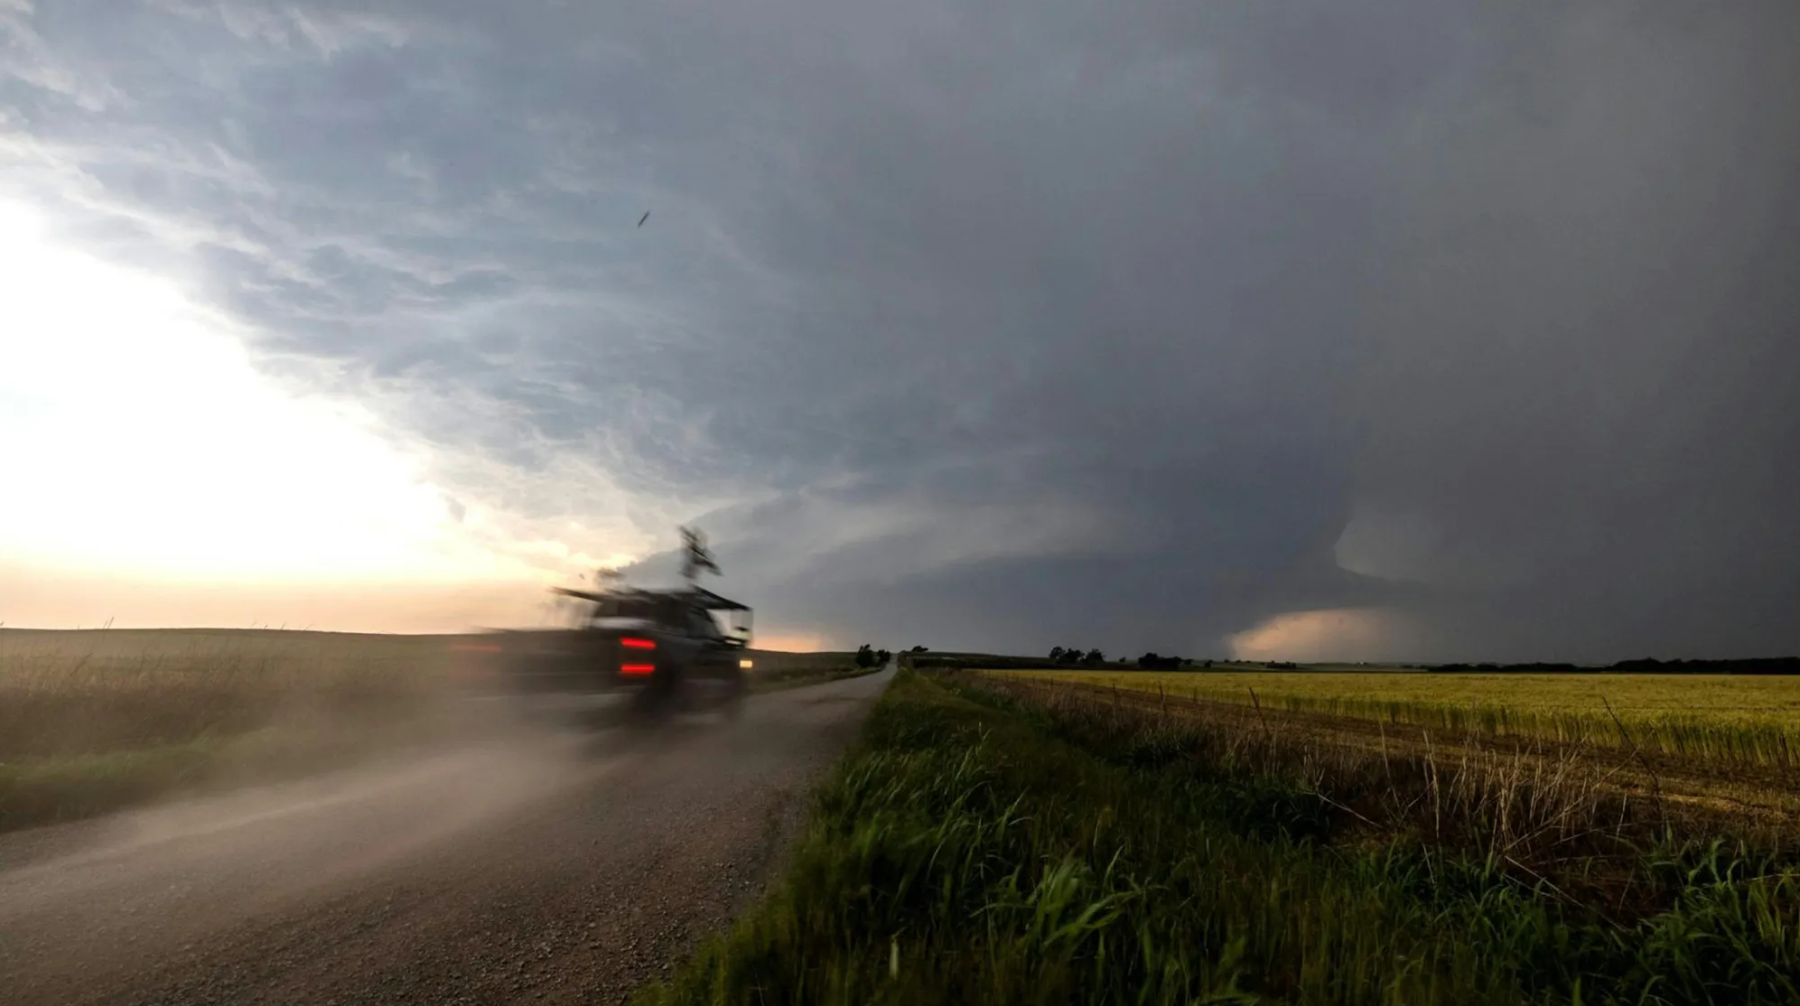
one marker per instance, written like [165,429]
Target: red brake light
[637,669]
[631,643]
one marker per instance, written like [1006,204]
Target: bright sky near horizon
[143,447]
[171,456]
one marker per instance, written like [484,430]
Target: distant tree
[865,656]
[1056,654]
[882,657]
[1094,658]
[1152,662]
[920,649]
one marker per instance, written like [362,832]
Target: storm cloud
[1001,325]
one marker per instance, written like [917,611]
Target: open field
[1734,720]
[93,720]
[994,839]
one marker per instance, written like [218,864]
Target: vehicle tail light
[632,643]
[637,669]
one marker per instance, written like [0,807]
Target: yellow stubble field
[1750,719]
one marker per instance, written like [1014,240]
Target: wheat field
[1730,719]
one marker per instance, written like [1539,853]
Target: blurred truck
[657,652]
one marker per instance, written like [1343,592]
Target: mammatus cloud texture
[1008,325]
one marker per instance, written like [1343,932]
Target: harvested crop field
[1732,720]
[1735,797]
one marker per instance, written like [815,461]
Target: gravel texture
[536,867]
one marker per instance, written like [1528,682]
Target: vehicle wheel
[653,703]
[738,697]
[734,707]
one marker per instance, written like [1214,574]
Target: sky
[1399,330]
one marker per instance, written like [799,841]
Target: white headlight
[745,664]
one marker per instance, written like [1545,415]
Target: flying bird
[643,218]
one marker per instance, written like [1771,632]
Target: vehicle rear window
[649,610]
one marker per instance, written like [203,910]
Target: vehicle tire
[656,701]
[737,697]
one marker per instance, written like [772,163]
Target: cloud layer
[1006,326]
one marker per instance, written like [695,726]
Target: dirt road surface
[534,868]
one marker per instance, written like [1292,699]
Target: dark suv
[668,650]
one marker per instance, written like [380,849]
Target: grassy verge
[976,847]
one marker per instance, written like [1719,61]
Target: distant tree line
[1076,656]
[1648,665]
[868,656]
[1059,656]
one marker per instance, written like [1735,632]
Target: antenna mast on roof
[696,557]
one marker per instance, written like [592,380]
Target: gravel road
[539,868]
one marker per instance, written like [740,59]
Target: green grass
[1720,719]
[977,848]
